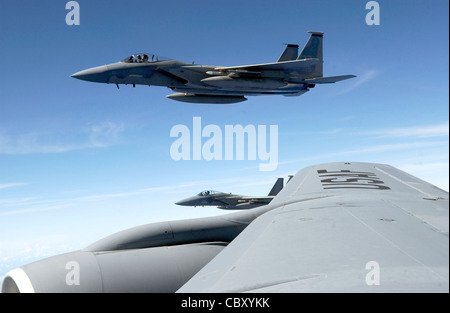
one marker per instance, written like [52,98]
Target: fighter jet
[292,75]
[228,201]
[335,227]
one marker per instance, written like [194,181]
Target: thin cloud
[97,136]
[166,189]
[35,209]
[369,149]
[437,130]
[430,172]
[399,146]
[346,118]
[11,185]
[360,80]
[105,134]
[34,205]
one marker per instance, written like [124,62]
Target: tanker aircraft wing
[340,227]
[335,227]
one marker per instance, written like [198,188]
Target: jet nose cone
[96,74]
[188,202]
[78,74]
[182,202]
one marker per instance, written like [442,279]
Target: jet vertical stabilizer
[314,50]
[279,184]
[289,54]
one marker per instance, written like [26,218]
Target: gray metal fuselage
[187,78]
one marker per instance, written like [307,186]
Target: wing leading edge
[340,227]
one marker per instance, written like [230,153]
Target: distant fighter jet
[228,201]
[291,75]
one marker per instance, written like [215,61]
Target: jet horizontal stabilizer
[329,80]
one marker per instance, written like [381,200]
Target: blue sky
[80,161]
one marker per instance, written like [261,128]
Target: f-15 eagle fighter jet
[228,201]
[292,75]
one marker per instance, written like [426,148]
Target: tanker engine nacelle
[159,257]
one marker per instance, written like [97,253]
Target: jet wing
[340,227]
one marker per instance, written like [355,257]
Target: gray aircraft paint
[308,239]
[289,76]
[228,201]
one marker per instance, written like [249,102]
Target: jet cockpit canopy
[208,193]
[144,58]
